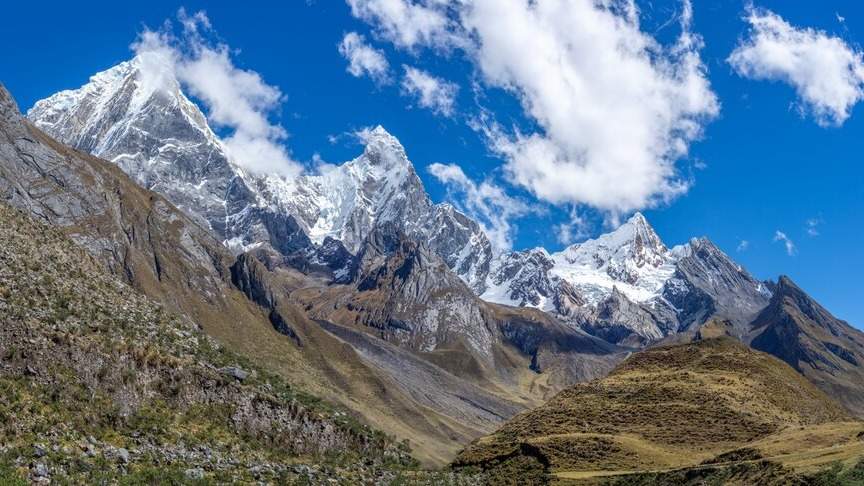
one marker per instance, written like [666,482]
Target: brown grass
[670,407]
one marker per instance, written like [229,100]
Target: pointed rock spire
[383,149]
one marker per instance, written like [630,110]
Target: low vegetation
[98,384]
[709,412]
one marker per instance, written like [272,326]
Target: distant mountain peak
[785,286]
[635,239]
[384,151]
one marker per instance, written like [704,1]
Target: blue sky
[760,165]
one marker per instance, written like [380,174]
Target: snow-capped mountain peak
[634,242]
[632,258]
[136,115]
[383,149]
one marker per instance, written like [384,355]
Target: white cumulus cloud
[486,202]
[826,72]
[611,108]
[787,242]
[236,99]
[431,92]
[363,59]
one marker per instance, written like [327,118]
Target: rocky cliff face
[707,282]
[823,348]
[137,234]
[405,294]
[153,132]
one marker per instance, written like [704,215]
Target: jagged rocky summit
[627,286]
[157,135]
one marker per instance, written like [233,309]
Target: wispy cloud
[485,201]
[431,92]
[235,99]
[573,229]
[363,59]
[743,246]
[790,246]
[826,72]
[812,226]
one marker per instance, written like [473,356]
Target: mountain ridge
[675,407]
[827,350]
[253,308]
[346,202]
[177,154]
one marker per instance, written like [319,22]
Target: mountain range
[352,284]
[625,286]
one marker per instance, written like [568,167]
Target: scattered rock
[194,473]
[39,450]
[40,470]
[122,455]
[236,372]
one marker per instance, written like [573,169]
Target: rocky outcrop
[619,320]
[714,286]
[826,350]
[406,295]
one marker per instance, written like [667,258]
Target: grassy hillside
[673,408]
[99,383]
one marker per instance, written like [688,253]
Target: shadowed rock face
[823,348]
[718,287]
[136,233]
[405,294]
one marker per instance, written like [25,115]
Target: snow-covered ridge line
[631,259]
[157,135]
